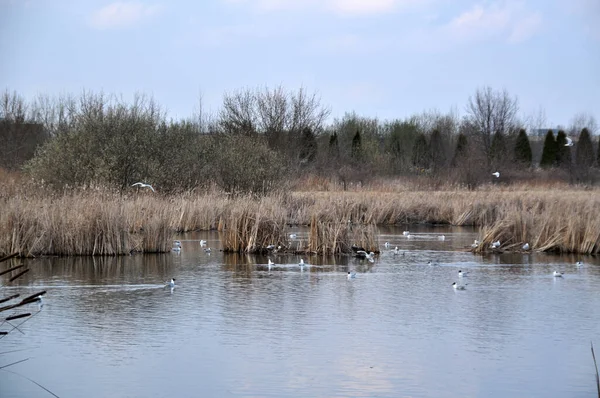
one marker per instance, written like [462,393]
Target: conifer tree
[523,149]
[497,148]
[461,149]
[356,145]
[421,152]
[437,152]
[334,150]
[308,149]
[549,151]
[563,152]
[584,154]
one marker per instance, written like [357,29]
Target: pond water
[231,328]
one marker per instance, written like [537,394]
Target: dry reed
[96,221]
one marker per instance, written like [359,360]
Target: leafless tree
[583,120]
[238,114]
[490,112]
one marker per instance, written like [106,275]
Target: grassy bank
[98,222]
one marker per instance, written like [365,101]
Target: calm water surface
[231,328]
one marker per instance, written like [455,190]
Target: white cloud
[340,7]
[504,19]
[122,14]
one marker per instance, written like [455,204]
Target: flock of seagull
[370,257]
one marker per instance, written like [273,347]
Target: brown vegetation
[94,221]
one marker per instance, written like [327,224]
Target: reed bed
[100,222]
[251,228]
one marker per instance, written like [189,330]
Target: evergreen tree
[584,155]
[461,149]
[497,148]
[549,151]
[437,150]
[356,145]
[334,149]
[421,152]
[563,152]
[523,149]
[308,145]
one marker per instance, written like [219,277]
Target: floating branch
[13,317]
[19,275]
[11,269]
[9,298]
[8,257]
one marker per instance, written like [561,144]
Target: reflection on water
[231,327]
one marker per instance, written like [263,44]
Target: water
[232,329]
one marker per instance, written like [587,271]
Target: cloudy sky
[385,58]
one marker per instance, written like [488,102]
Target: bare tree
[582,121]
[490,112]
[239,114]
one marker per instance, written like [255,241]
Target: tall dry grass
[96,221]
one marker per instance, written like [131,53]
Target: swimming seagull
[569,142]
[441,237]
[405,233]
[171,283]
[458,287]
[579,263]
[461,274]
[475,243]
[143,185]
[495,244]
[387,245]
[557,274]
[496,174]
[396,251]
[525,246]
[176,246]
[202,242]
[207,250]
[271,263]
[351,275]
[293,236]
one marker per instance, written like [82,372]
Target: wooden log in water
[19,275]
[6,271]
[32,298]
[9,298]
[13,317]
[8,257]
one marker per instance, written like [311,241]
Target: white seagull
[475,243]
[569,142]
[271,263]
[579,263]
[171,283]
[461,274]
[202,242]
[396,251]
[405,233]
[351,275]
[387,245]
[495,244]
[207,250]
[525,246]
[293,236]
[441,237]
[496,174]
[458,287]
[143,185]
[557,274]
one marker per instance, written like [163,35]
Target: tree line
[263,138]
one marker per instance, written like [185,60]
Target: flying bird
[143,185]
[569,142]
[496,174]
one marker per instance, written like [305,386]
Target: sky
[379,58]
